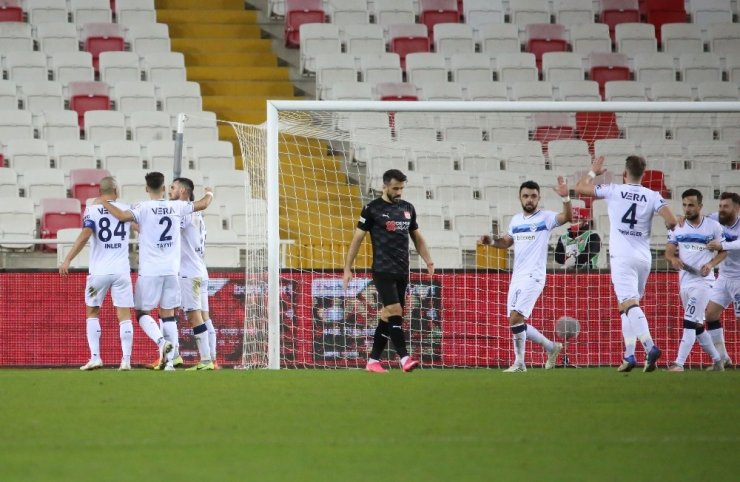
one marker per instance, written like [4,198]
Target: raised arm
[585,185]
[203,202]
[421,247]
[566,215]
[79,243]
[354,248]
[121,215]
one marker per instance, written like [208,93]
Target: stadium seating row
[79,12]
[103,125]
[72,66]
[26,154]
[451,39]
[519,12]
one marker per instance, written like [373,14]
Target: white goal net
[315,164]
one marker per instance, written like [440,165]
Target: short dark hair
[730,195]
[692,192]
[188,185]
[635,166]
[393,174]
[529,185]
[154,180]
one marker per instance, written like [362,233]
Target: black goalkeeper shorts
[391,287]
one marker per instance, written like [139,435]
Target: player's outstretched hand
[562,187]
[208,189]
[706,269]
[64,269]
[680,220]
[485,239]
[598,166]
[347,278]
[430,268]
[714,245]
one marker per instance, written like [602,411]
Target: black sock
[380,340]
[397,335]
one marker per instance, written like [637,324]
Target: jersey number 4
[629,216]
[105,233]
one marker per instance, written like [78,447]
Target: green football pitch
[348,425]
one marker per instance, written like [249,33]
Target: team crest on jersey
[532,228]
[407,215]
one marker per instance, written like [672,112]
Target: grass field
[587,424]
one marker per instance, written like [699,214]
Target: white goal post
[333,121]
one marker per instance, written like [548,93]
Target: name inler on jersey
[634,196]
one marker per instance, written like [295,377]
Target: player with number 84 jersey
[109,243]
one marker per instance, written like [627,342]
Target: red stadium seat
[408,39]
[552,126]
[85,183]
[438,11]
[614,12]
[102,37]
[298,12]
[661,17]
[56,214]
[545,37]
[606,66]
[655,180]
[646,6]
[11,11]
[592,126]
[85,96]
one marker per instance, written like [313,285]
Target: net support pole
[273,239]
[179,134]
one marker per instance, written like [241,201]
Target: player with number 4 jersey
[631,208]
[109,271]
[159,255]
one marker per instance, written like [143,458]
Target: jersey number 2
[629,216]
[165,237]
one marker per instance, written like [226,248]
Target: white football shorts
[157,291]
[194,293]
[725,292]
[121,290]
[629,277]
[523,294]
[694,299]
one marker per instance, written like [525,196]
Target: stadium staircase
[238,70]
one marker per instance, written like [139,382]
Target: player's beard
[529,208]
[726,218]
[693,218]
[394,199]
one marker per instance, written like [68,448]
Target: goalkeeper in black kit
[391,221]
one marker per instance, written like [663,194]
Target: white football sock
[93,337]
[705,341]
[685,346]
[169,331]
[201,340]
[718,338]
[151,329]
[126,331]
[537,337]
[211,338]
[519,341]
[630,339]
[639,325]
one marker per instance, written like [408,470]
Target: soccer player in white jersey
[726,290]
[631,208]
[687,252]
[159,255]
[529,233]
[194,275]
[109,270]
